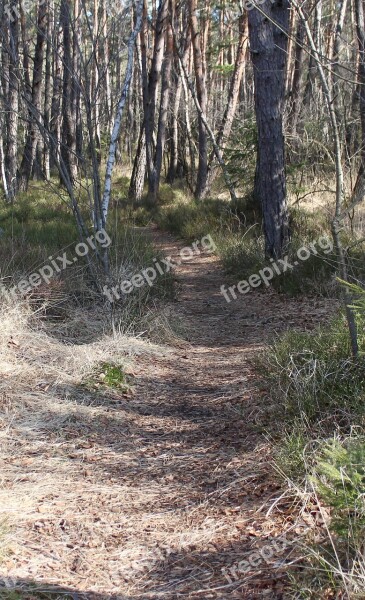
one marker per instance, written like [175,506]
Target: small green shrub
[108,375]
[240,153]
[334,567]
[339,480]
[112,376]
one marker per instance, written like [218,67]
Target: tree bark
[48,97]
[295,91]
[11,156]
[119,115]
[155,175]
[136,185]
[68,138]
[268,50]
[35,107]
[151,82]
[201,91]
[55,119]
[358,193]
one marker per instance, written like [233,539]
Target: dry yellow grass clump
[54,410]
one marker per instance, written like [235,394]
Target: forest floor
[152,494]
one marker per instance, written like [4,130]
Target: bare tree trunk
[48,96]
[104,57]
[3,54]
[150,88]
[119,115]
[175,155]
[358,193]
[136,185]
[268,50]
[55,119]
[30,149]
[95,81]
[11,157]
[336,69]
[25,48]
[154,177]
[310,83]
[174,136]
[68,138]
[200,80]
[295,92]
[207,127]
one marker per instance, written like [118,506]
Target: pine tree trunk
[35,109]
[136,186]
[48,97]
[11,157]
[154,177]
[150,88]
[201,91]
[295,92]
[268,50]
[174,135]
[55,119]
[68,138]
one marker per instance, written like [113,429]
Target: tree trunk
[295,91]
[119,114]
[32,139]
[154,177]
[150,88]
[11,156]
[48,97]
[359,189]
[312,68]
[174,135]
[55,119]
[25,49]
[268,50]
[150,97]
[177,165]
[68,137]
[201,91]
[136,185]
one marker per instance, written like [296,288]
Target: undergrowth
[318,390]
[40,227]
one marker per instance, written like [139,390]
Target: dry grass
[49,421]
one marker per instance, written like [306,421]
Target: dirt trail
[163,490]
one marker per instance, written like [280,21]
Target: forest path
[206,458]
[153,495]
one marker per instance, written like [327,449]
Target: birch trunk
[119,114]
